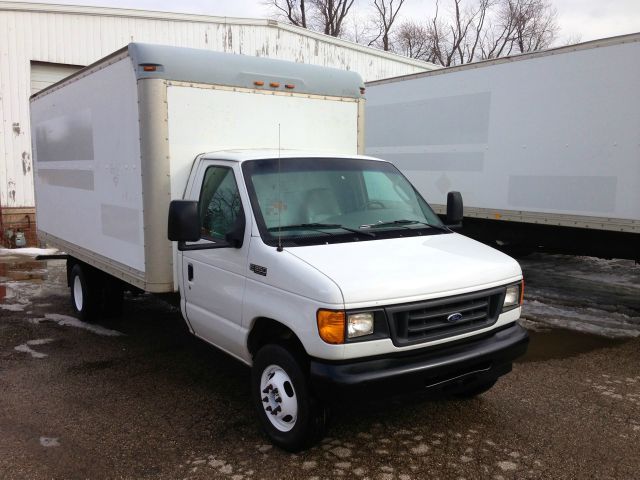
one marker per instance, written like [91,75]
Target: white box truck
[161,169]
[545,147]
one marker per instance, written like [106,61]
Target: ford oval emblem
[454,317]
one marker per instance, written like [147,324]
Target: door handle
[190,272]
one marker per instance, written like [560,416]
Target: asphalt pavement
[139,397]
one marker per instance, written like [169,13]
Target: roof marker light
[290,86]
[258,83]
[149,68]
[274,84]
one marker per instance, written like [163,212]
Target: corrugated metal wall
[81,35]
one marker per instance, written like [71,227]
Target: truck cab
[331,275]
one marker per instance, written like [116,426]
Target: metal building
[41,43]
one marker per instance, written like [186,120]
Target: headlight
[359,324]
[513,296]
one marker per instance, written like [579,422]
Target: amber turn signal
[331,326]
[522,292]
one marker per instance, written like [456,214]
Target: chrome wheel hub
[278,398]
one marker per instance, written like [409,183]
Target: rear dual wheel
[289,413]
[84,293]
[93,293]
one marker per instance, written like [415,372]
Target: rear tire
[113,293]
[280,385]
[85,293]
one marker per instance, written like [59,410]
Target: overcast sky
[584,19]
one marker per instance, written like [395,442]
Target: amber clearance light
[331,326]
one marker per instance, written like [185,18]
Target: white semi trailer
[235,183]
[544,147]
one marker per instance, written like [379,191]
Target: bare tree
[413,40]
[480,29]
[331,15]
[326,16]
[386,13]
[294,11]
[535,24]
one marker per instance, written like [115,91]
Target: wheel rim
[279,398]
[77,293]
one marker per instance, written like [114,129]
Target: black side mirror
[184,221]
[455,209]
[235,237]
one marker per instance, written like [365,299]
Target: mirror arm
[183,247]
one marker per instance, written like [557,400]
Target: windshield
[307,200]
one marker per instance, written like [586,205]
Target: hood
[396,270]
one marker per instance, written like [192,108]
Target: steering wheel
[375,205]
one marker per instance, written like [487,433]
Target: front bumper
[471,360]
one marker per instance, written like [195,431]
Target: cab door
[214,278]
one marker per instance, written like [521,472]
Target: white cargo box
[550,137]
[115,142]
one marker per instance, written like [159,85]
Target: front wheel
[290,415]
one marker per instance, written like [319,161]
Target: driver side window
[219,204]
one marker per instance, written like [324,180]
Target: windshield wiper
[403,223]
[319,227]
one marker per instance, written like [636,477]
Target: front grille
[432,320]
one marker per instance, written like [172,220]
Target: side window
[219,203]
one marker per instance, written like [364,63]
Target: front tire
[289,414]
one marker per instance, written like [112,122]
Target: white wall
[81,35]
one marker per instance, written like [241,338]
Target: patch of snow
[12,307]
[24,348]
[420,449]
[67,321]
[507,466]
[40,341]
[49,442]
[583,319]
[29,251]
[341,452]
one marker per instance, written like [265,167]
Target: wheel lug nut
[265,399]
[278,399]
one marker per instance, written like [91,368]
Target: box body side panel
[554,136]
[86,143]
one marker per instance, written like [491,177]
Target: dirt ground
[139,397]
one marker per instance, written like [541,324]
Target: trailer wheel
[290,415]
[85,295]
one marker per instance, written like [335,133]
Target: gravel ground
[141,398]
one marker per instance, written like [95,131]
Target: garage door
[45,74]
